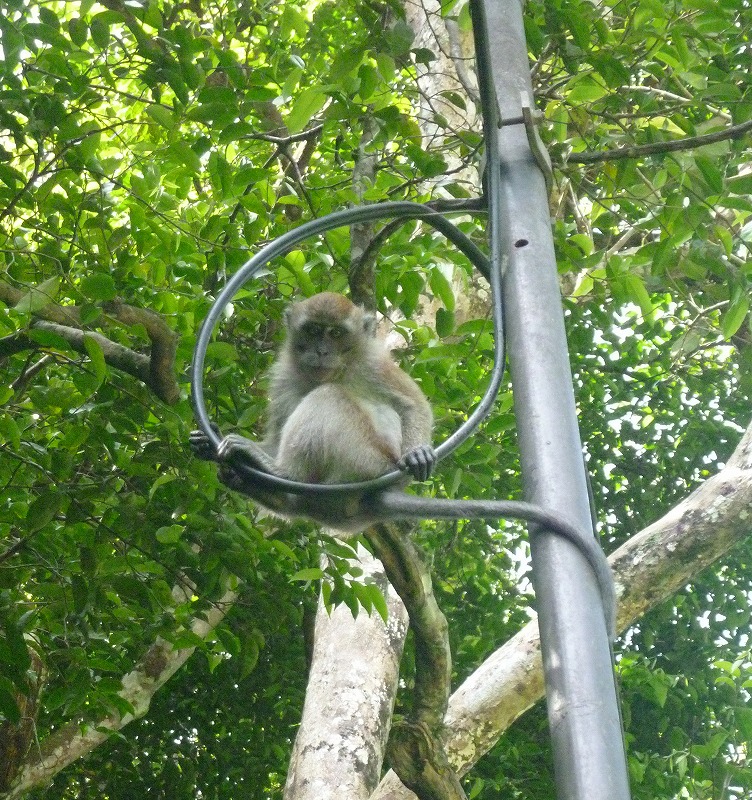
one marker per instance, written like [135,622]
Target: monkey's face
[323,349]
[327,335]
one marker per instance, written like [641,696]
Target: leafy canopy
[146,150]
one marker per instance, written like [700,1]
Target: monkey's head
[327,333]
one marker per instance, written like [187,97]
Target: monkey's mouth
[320,374]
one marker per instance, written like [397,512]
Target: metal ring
[279,247]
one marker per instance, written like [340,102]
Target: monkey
[340,410]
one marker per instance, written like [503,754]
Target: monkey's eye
[336,332]
[314,330]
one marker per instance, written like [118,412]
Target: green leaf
[249,655]
[399,38]
[369,80]
[442,288]
[162,480]
[377,600]
[39,297]
[455,98]
[170,534]
[387,67]
[48,17]
[161,116]
[90,313]
[346,62]
[100,31]
[283,549]
[309,102]
[8,705]
[43,510]
[423,55]
[634,288]
[735,315]
[182,151]
[295,261]
[742,184]
[222,352]
[659,685]
[78,30]
[429,163]
[99,286]
[49,339]
[711,173]
[11,177]
[611,69]
[96,357]
[743,720]
[585,89]
[710,749]
[10,433]
[292,20]
[310,574]
[444,322]
[221,175]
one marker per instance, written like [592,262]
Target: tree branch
[157,370]
[658,148]
[349,697]
[416,751]
[164,343]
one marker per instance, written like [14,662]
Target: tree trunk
[339,749]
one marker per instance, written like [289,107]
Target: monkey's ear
[288,315]
[369,323]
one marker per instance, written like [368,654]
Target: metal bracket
[532,117]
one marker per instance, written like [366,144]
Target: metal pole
[583,711]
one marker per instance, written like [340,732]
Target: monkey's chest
[386,425]
[334,436]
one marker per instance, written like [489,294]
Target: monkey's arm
[252,453]
[418,456]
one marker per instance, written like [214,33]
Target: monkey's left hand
[419,461]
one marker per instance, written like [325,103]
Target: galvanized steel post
[582,700]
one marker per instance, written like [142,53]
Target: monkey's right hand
[234,446]
[201,445]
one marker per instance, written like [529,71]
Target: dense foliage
[147,149]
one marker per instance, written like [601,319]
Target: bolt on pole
[583,710]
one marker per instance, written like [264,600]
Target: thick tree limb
[164,343]
[63,315]
[340,744]
[649,568]
[16,738]
[76,739]
[116,355]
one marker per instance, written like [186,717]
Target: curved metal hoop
[283,244]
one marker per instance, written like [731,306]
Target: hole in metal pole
[521,243]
